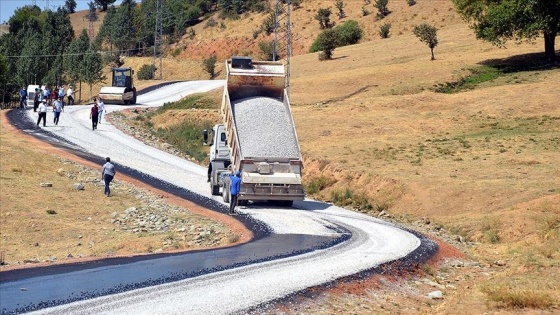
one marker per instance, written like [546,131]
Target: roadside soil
[60,224]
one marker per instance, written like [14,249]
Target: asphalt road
[310,244]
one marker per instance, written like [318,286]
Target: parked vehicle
[31,94]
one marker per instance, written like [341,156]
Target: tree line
[41,46]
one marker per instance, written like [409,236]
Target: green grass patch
[187,137]
[478,75]
[316,184]
[490,229]
[198,101]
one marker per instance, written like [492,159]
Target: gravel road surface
[350,242]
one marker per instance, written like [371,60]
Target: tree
[339,4]
[324,17]
[382,8]
[75,56]
[104,4]
[209,65]
[349,33]
[92,67]
[500,21]
[70,6]
[326,42]
[428,34]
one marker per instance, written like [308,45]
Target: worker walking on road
[42,113]
[94,115]
[235,186]
[101,108]
[107,174]
[57,109]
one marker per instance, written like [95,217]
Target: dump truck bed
[264,129]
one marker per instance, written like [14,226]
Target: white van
[31,94]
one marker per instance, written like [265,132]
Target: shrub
[209,65]
[339,4]
[211,22]
[146,72]
[349,33]
[191,33]
[175,52]
[365,11]
[267,50]
[382,8]
[384,30]
[324,17]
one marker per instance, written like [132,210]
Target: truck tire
[225,194]
[215,189]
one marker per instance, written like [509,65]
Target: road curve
[308,245]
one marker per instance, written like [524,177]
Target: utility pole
[158,39]
[47,6]
[91,17]
[283,13]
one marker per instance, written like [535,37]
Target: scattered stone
[60,171]
[46,184]
[435,295]
[69,256]
[79,186]
[500,263]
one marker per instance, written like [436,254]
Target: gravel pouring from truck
[259,133]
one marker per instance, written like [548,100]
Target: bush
[267,50]
[324,17]
[349,33]
[211,23]
[384,30]
[365,11]
[382,8]
[209,65]
[146,72]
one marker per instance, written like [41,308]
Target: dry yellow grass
[482,164]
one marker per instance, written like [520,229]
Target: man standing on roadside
[107,174]
[70,95]
[42,113]
[61,94]
[235,186]
[23,98]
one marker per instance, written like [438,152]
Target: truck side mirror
[205,136]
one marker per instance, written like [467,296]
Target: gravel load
[264,128]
